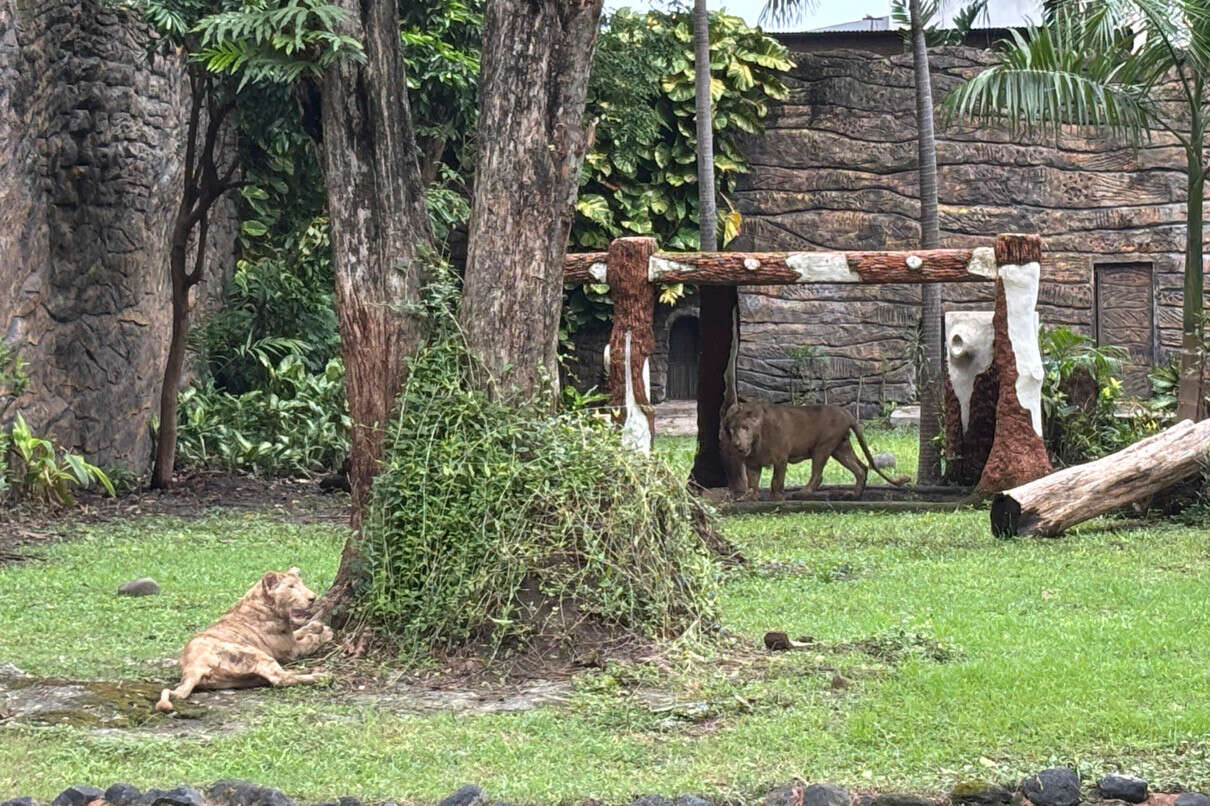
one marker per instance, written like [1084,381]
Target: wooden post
[971,395]
[633,335]
[1018,454]
[718,324]
[1050,505]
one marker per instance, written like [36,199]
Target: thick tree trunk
[1190,391]
[1055,503]
[532,140]
[380,230]
[165,447]
[928,469]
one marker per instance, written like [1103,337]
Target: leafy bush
[1080,397]
[296,423]
[36,469]
[490,522]
[13,376]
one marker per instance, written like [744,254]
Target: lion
[246,646]
[756,435]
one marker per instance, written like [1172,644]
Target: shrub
[1080,396]
[36,469]
[498,523]
[296,423]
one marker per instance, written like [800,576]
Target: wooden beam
[585,267]
[783,268]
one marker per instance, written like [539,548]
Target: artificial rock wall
[91,147]
[836,169]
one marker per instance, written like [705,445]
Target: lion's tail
[856,429]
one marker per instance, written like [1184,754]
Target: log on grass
[1054,503]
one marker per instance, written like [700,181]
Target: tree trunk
[1055,503]
[380,230]
[532,140]
[165,446]
[928,469]
[1190,403]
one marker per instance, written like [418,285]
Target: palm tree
[1110,64]
[707,208]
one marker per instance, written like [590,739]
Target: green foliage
[14,378]
[480,505]
[295,423]
[36,469]
[934,37]
[640,176]
[1080,397]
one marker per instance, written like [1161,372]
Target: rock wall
[836,169]
[91,152]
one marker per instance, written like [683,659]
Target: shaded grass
[1091,650]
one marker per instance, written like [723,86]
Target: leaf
[253,228]
[732,224]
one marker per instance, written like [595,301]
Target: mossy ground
[960,657]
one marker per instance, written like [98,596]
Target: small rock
[139,587]
[181,796]
[77,796]
[1192,799]
[895,799]
[980,793]
[777,641]
[841,682]
[652,800]
[785,796]
[123,795]
[884,460]
[693,800]
[1129,788]
[23,801]
[1057,786]
[242,793]
[824,795]
[7,670]
[466,796]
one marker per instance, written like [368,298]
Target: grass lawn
[961,656]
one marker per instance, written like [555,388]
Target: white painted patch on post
[969,339]
[636,431]
[605,352]
[751,263]
[822,267]
[659,266]
[1020,298]
[982,262]
[914,262]
[598,272]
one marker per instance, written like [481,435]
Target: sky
[833,12]
[827,12]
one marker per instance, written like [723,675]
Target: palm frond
[785,12]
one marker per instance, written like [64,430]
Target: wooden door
[683,352]
[1125,317]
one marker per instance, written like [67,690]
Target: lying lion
[758,435]
[245,647]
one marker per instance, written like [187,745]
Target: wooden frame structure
[632,266]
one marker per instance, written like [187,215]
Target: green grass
[902,442]
[1092,650]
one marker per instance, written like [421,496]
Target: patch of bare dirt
[195,494]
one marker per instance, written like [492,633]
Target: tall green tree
[919,19]
[1110,64]
[202,35]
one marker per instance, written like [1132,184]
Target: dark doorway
[684,350]
[1125,316]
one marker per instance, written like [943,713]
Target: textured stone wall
[91,143]
[836,169]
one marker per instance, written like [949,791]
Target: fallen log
[1056,502]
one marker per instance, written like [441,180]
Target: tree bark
[1055,503]
[380,231]
[928,468]
[776,268]
[532,140]
[1190,404]
[203,186]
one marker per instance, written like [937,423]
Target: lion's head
[287,595]
[741,428]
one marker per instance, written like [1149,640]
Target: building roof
[866,23]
